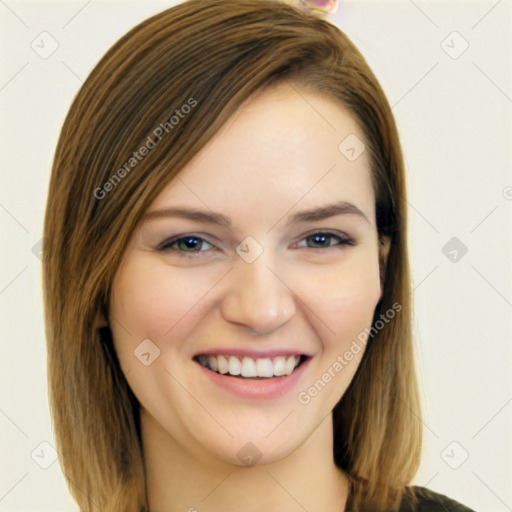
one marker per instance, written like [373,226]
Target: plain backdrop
[445,67]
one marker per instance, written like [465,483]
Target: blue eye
[184,244]
[191,245]
[321,237]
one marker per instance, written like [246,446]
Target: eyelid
[343,240]
[172,240]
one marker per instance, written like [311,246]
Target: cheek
[341,309]
[344,300]
[148,302]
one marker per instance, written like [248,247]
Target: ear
[384,246]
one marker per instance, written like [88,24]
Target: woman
[226,276]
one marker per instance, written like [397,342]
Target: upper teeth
[249,367]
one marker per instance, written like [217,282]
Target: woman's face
[254,280]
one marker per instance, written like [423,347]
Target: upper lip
[255,354]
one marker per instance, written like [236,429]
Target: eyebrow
[311,215]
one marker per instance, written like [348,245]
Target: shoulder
[430,501]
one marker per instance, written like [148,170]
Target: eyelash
[166,246]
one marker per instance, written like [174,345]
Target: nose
[257,296]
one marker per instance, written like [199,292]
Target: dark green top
[428,501]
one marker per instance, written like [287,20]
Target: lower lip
[262,389]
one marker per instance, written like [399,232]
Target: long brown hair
[216,54]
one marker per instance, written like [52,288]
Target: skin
[277,156]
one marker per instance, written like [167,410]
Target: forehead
[280,148]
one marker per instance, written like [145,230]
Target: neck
[178,480]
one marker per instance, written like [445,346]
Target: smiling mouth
[251,368]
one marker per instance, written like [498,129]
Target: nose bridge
[256,295]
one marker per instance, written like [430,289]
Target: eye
[190,245]
[322,240]
[184,244]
